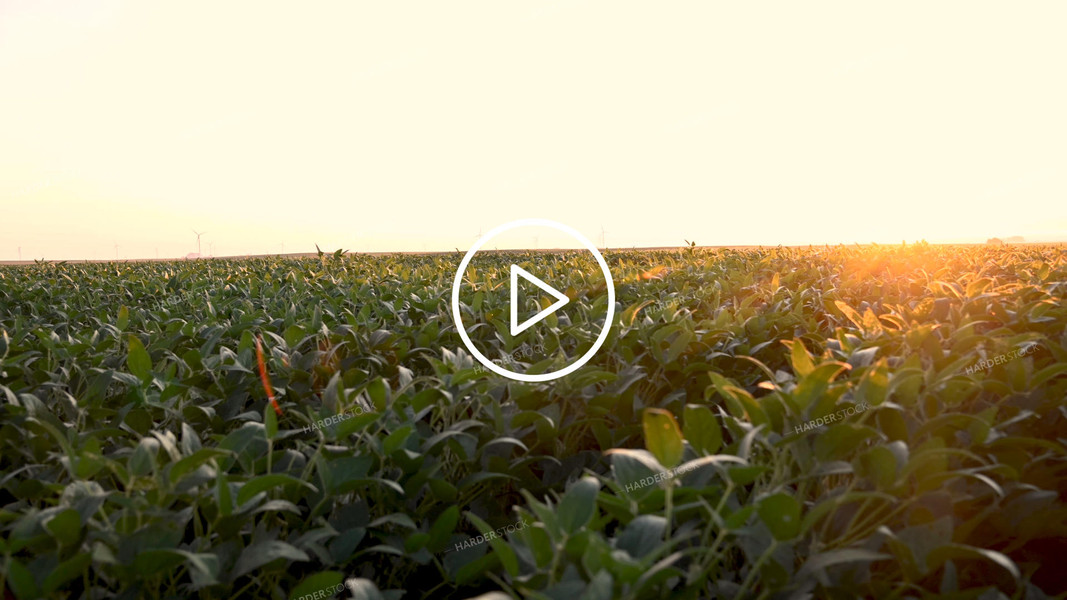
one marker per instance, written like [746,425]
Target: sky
[273,127]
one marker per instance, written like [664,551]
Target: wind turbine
[116,251]
[211,248]
[198,234]
[478,235]
[20,253]
[603,244]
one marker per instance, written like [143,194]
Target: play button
[533,344]
[561,300]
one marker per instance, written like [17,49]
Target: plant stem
[555,560]
[670,509]
[755,569]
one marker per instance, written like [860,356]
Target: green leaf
[738,518]
[600,588]
[840,439]
[328,583]
[678,346]
[378,390]
[21,580]
[65,526]
[66,571]
[813,385]
[720,462]
[155,560]
[190,463]
[138,361]
[143,459]
[500,546]
[540,544]
[662,436]
[140,420]
[399,519]
[1044,375]
[879,465]
[829,504]
[225,497]
[270,421]
[395,440]
[631,466]
[190,442]
[801,359]
[627,317]
[443,528]
[258,555]
[701,429]
[443,490]
[874,384]
[978,286]
[293,334]
[363,589]
[642,535]
[850,313]
[204,566]
[123,319]
[265,482]
[922,539]
[657,574]
[746,475]
[781,514]
[946,552]
[578,505]
[819,562]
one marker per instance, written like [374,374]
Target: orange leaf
[264,377]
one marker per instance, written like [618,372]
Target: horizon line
[506,250]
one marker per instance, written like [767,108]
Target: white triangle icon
[561,300]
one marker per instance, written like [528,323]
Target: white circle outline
[458,317]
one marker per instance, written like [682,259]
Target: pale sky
[411,126]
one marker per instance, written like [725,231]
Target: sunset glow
[368,128]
